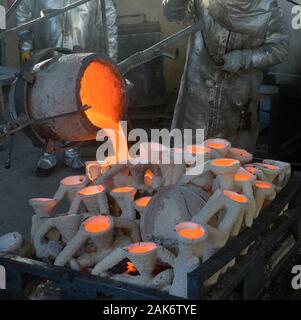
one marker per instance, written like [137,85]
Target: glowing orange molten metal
[123,190]
[224,162]
[97,224]
[243,176]
[130,268]
[236,196]
[269,166]
[72,181]
[263,185]
[101,89]
[148,178]
[190,231]
[143,202]
[194,149]
[252,170]
[141,248]
[91,191]
[216,145]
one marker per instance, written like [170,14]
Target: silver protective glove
[238,60]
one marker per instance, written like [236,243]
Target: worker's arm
[274,50]
[276,47]
[112,29]
[177,10]
[111,14]
[24,13]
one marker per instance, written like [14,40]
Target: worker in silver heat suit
[223,73]
[80,29]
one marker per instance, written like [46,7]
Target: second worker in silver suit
[80,28]
[220,86]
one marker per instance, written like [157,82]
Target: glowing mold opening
[216,145]
[73,181]
[252,170]
[190,231]
[141,248]
[240,198]
[143,202]
[123,190]
[98,224]
[263,185]
[91,191]
[224,162]
[198,150]
[243,176]
[269,166]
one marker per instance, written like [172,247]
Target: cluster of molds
[159,220]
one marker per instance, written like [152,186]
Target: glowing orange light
[236,196]
[130,268]
[95,170]
[224,162]
[195,149]
[216,145]
[269,166]
[243,176]
[263,185]
[102,90]
[148,178]
[123,190]
[143,202]
[140,248]
[90,191]
[252,170]
[97,224]
[72,181]
[190,231]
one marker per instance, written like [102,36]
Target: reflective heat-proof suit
[223,72]
[81,26]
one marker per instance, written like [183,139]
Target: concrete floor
[19,184]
